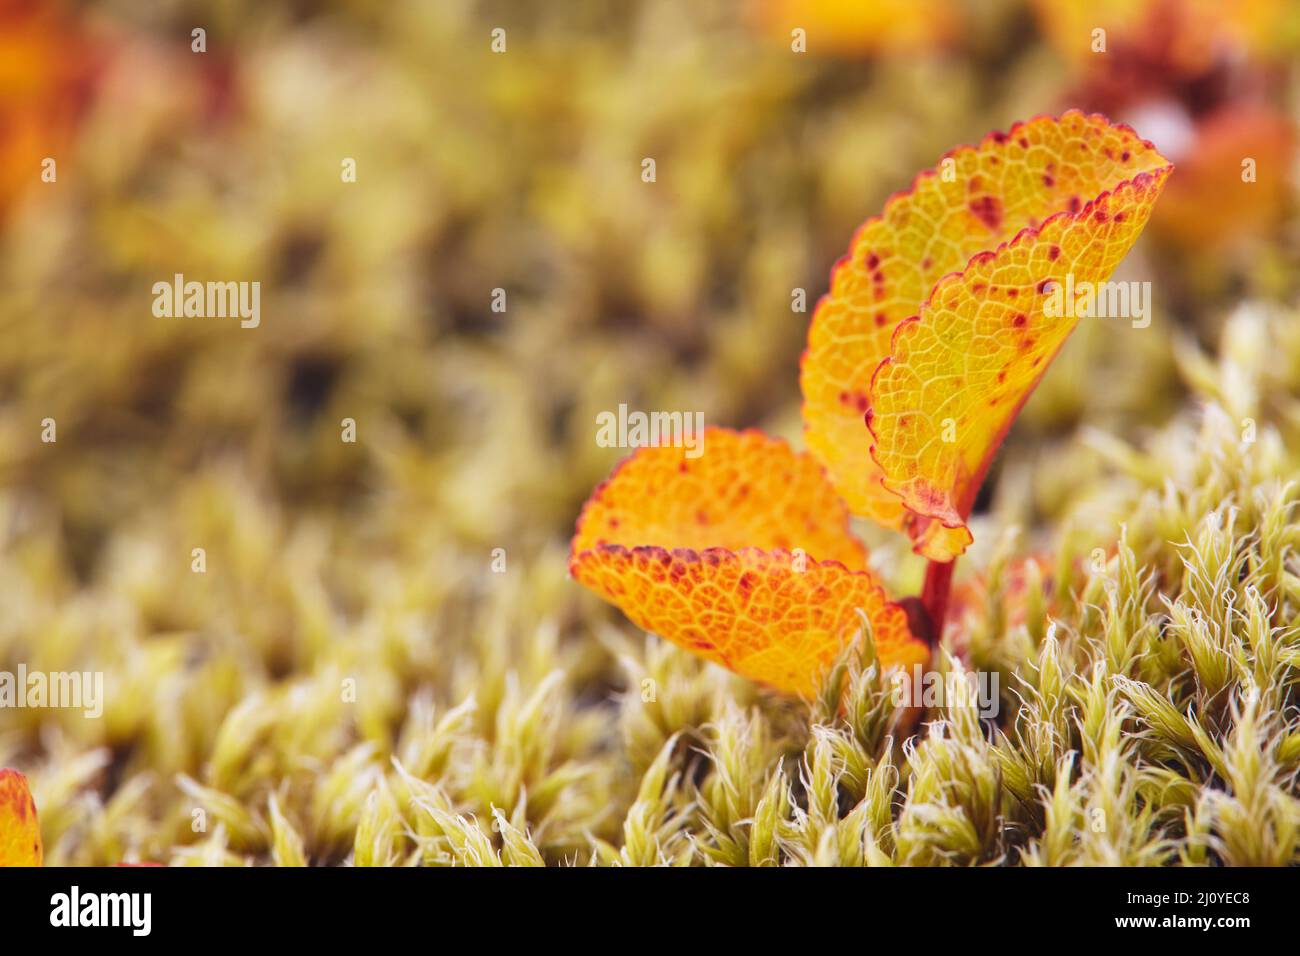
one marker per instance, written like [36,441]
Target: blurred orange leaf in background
[1209,202]
[45,70]
[20,830]
[1202,78]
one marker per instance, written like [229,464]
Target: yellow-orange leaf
[751,611]
[959,371]
[745,490]
[703,553]
[20,831]
[973,200]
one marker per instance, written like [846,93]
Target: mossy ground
[351,681]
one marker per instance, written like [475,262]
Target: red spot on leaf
[932,497]
[988,210]
[856,400]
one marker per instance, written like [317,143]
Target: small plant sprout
[932,337]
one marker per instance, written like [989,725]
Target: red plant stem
[934,595]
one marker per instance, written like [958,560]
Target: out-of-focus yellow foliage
[852,27]
[1191,34]
[350,677]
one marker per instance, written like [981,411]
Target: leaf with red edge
[960,369]
[742,556]
[972,201]
[744,489]
[20,830]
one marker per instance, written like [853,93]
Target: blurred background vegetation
[479,170]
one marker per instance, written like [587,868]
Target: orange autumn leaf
[45,69]
[751,611]
[742,555]
[972,201]
[20,830]
[744,490]
[1051,200]
[1209,204]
